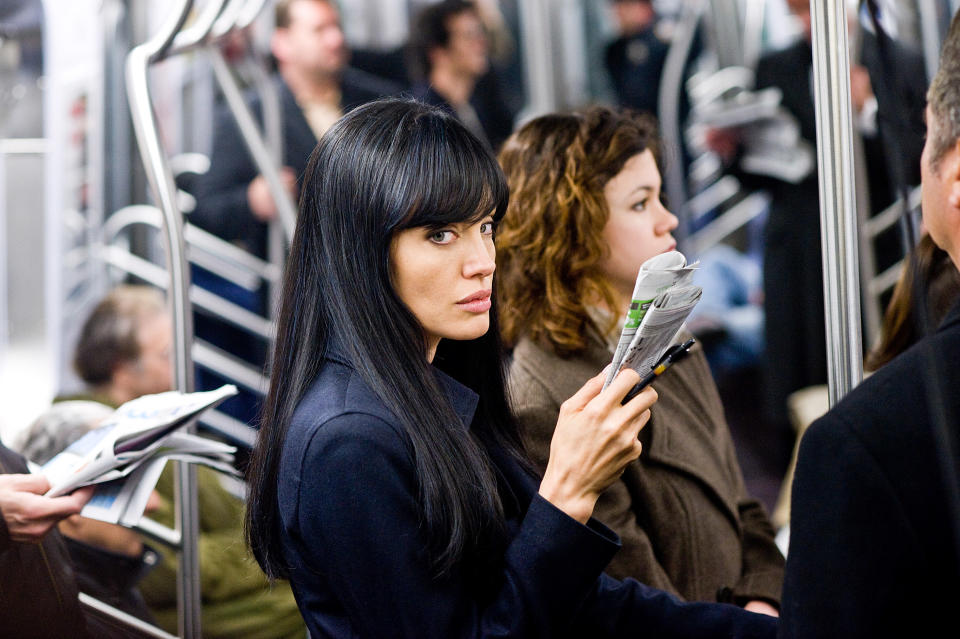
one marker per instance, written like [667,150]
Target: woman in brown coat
[584,214]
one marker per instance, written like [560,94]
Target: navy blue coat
[873,542]
[355,548]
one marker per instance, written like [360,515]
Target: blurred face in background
[313,44]
[801,11]
[152,371]
[467,49]
[632,16]
[639,226]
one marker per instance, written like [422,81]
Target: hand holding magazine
[126,454]
[662,300]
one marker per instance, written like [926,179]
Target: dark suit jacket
[355,546]
[221,193]
[873,547]
[487,101]
[38,588]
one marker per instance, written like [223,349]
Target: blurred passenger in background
[584,214]
[795,335]
[123,352]
[449,60]
[109,559]
[635,59]
[316,87]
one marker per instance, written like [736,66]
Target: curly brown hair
[550,243]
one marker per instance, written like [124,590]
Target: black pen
[673,355]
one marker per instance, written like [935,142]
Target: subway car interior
[147,160]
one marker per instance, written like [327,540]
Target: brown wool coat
[681,510]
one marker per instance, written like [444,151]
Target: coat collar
[462,399]
[952,318]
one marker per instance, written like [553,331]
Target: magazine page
[134,433]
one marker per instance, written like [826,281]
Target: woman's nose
[668,221]
[480,258]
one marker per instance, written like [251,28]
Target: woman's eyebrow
[642,187]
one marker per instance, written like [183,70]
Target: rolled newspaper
[657,275]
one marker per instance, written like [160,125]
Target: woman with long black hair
[389,484]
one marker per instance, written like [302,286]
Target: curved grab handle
[200,28]
[229,18]
[157,46]
[250,12]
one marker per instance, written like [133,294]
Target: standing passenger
[316,87]
[450,61]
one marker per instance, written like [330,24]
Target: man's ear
[435,56]
[123,374]
[952,168]
[280,45]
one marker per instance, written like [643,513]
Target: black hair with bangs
[387,166]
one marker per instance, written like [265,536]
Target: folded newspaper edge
[130,448]
[662,300]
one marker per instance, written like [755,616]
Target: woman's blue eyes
[445,236]
[441,237]
[640,206]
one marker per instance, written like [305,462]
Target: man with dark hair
[449,59]
[875,522]
[316,87]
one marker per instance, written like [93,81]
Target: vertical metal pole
[932,33]
[668,110]
[250,132]
[838,213]
[161,183]
[538,57]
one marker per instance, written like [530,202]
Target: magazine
[125,455]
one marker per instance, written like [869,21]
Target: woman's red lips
[479,295]
[479,302]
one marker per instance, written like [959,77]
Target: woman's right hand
[594,440]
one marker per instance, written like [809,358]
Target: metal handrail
[161,183]
[249,13]
[202,298]
[199,30]
[732,219]
[145,629]
[227,20]
[230,258]
[273,134]
[838,215]
[668,109]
